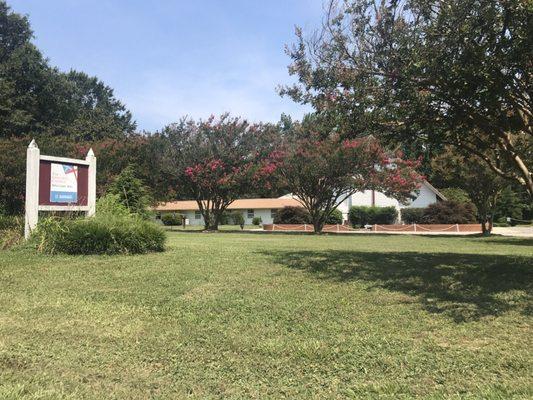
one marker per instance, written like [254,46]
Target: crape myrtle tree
[323,171]
[426,73]
[218,160]
[482,185]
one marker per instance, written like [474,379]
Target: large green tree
[426,73]
[67,113]
[37,99]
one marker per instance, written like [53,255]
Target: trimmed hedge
[334,218]
[257,221]
[292,215]
[109,235]
[362,215]
[413,215]
[171,219]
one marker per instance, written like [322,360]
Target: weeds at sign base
[109,235]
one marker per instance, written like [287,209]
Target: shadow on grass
[464,287]
[513,241]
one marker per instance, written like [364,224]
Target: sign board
[58,184]
[63,183]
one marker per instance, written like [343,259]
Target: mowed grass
[272,316]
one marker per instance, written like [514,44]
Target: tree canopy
[322,170]
[37,99]
[426,72]
[217,161]
[65,112]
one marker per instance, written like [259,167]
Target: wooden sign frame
[38,185]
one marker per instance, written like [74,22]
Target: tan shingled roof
[242,204]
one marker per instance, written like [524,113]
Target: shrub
[359,216]
[335,217]
[237,218]
[225,218]
[171,219]
[132,192]
[292,215]
[110,204]
[99,235]
[450,212]
[385,215]
[363,215]
[257,221]
[413,215]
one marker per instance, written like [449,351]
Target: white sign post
[91,193]
[63,185]
[32,188]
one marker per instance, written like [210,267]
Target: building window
[197,215]
[273,213]
[250,214]
[158,216]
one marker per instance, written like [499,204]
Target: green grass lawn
[272,316]
[221,227]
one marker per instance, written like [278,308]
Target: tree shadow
[513,241]
[464,287]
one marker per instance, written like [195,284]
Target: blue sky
[166,59]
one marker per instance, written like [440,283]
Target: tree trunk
[215,221]
[207,217]
[486,226]
[318,224]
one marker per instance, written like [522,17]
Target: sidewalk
[518,231]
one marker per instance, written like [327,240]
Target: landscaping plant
[292,215]
[171,219]
[413,215]
[216,161]
[113,230]
[360,216]
[449,212]
[334,218]
[322,170]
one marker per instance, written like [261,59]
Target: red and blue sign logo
[63,183]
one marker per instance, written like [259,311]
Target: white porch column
[91,193]
[32,189]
